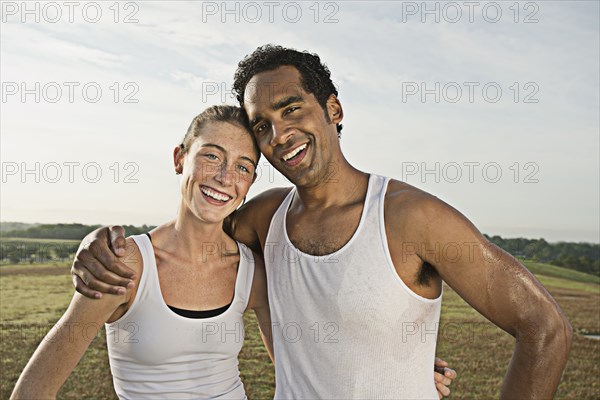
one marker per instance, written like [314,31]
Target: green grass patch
[567,284]
[559,272]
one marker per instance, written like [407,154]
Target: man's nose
[281,133]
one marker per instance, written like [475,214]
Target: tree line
[57,246]
[66,231]
[584,257]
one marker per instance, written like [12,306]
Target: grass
[548,270]
[33,297]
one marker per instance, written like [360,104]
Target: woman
[178,333]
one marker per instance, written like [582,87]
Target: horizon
[148,224]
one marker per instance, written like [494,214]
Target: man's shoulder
[407,205]
[400,193]
[271,198]
[251,222]
[262,205]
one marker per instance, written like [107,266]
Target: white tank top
[155,353]
[345,326]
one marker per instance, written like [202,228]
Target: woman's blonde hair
[222,113]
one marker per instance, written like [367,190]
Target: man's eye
[291,109]
[260,128]
[211,156]
[243,169]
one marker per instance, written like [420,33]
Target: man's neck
[347,185]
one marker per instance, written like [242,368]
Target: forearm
[538,361]
[51,364]
[268,342]
[31,385]
[263,317]
[62,348]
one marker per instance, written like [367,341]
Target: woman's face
[217,170]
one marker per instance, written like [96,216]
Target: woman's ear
[178,155]
[334,109]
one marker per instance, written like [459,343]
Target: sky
[492,107]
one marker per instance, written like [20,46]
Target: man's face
[290,126]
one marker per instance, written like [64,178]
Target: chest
[323,232]
[193,288]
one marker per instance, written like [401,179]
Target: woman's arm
[62,348]
[259,302]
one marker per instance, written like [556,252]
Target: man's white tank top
[345,326]
[155,353]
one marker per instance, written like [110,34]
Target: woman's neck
[191,238]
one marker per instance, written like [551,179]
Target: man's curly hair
[315,76]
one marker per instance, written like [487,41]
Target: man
[353,260]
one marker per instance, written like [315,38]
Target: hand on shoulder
[250,223]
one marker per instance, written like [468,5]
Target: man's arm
[259,302]
[250,223]
[98,266]
[501,289]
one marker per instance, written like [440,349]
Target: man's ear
[178,156]
[334,109]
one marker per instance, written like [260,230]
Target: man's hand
[443,377]
[97,268]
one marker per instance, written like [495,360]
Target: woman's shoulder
[133,255]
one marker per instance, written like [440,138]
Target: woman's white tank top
[155,353]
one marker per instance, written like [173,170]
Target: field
[32,298]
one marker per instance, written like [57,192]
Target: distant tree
[14,257]
[65,231]
[584,257]
[62,252]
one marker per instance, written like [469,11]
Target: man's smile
[294,156]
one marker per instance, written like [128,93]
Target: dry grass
[32,298]
[480,352]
